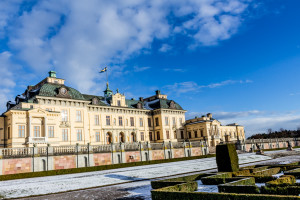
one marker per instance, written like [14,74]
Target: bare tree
[270,131]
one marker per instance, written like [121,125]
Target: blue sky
[238,59]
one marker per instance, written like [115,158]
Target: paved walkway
[62,183]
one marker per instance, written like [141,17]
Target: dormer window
[139,106]
[95,101]
[119,103]
[172,104]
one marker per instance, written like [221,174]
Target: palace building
[209,129]
[53,113]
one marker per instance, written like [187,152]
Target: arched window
[108,138]
[121,137]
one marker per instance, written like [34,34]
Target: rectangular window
[120,121]
[119,103]
[64,115]
[96,119]
[180,121]
[8,133]
[141,122]
[166,121]
[168,134]
[49,109]
[97,136]
[150,136]
[21,131]
[181,135]
[142,136]
[36,131]
[131,121]
[51,131]
[149,122]
[64,134]
[79,135]
[174,121]
[108,120]
[156,121]
[78,116]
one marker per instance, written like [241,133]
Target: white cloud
[8,10]
[8,78]
[140,69]
[165,48]
[256,121]
[190,86]
[77,37]
[174,69]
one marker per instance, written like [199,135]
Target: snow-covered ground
[61,183]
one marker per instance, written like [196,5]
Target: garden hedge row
[95,168]
[216,179]
[243,185]
[294,172]
[282,181]
[267,172]
[287,190]
[166,195]
[172,181]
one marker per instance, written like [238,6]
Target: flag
[103,70]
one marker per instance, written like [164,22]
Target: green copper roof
[51,90]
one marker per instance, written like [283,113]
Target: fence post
[33,149]
[184,148]
[112,153]
[140,143]
[77,154]
[88,148]
[164,149]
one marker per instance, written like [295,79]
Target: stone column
[45,126]
[29,126]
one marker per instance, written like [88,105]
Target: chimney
[141,99]
[157,92]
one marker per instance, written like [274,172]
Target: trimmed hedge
[267,172]
[263,179]
[166,195]
[287,190]
[294,172]
[95,168]
[175,181]
[216,179]
[243,185]
[282,181]
[241,189]
[242,173]
[227,159]
[185,187]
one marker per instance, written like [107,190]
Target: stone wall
[21,160]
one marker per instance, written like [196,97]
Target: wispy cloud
[256,121]
[190,86]
[165,48]
[140,69]
[174,70]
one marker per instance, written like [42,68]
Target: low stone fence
[30,159]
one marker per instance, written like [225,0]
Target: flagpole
[106,75]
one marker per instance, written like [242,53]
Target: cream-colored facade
[209,129]
[52,113]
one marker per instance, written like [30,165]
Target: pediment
[38,111]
